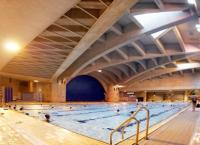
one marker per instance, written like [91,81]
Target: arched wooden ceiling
[105,35]
[134,52]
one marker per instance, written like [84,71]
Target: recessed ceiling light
[11,46]
[192,2]
[99,70]
[36,81]
[119,86]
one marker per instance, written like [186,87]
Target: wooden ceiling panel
[44,54]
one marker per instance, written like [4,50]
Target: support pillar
[142,94]
[186,96]
[30,86]
[58,93]
[2,96]
[112,94]
[36,91]
[145,96]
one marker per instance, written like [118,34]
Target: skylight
[198,27]
[192,2]
[159,33]
[152,19]
[187,65]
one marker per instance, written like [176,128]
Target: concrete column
[36,94]
[186,96]
[145,96]
[142,94]
[58,93]
[40,91]
[112,94]
[2,96]
[30,86]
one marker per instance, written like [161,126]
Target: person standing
[194,101]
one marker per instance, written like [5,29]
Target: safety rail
[123,125]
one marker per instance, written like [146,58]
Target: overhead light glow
[119,86]
[130,93]
[192,2]
[11,46]
[99,70]
[198,27]
[36,81]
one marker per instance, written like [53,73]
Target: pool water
[99,119]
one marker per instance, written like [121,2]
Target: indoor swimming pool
[99,119]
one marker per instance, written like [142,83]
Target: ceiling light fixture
[99,70]
[36,81]
[119,86]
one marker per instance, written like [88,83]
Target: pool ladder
[123,125]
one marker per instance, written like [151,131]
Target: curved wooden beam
[190,49]
[108,18]
[114,71]
[126,38]
[142,75]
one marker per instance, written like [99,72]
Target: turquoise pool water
[99,119]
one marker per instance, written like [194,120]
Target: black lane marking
[112,110]
[143,119]
[152,115]
[86,120]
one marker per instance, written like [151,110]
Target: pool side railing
[125,124]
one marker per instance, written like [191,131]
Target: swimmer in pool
[47,116]
[21,108]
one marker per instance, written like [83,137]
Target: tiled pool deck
[20,129]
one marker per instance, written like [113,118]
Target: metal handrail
[123,125]
[147,119]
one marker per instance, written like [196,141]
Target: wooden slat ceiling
[43,56]
[126,52]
